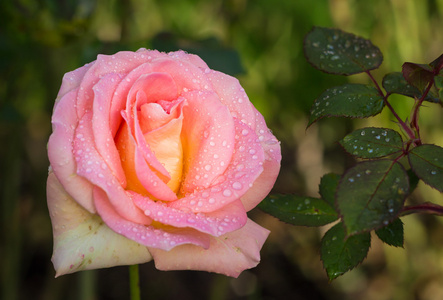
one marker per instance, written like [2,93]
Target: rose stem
[134,282]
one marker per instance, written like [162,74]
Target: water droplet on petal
[227,193]
[237,185]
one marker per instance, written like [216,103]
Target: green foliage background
[40,40]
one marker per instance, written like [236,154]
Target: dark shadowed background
[261,43]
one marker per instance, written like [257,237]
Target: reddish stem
[414,120]
[403,125]
[424,208]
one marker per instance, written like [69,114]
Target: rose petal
[104,141]
[152,115]
[121,62]
[139,175]
[244,168]
[118,104]
[82,241]
[208,140]
[93,167]
[60,151]
[132,121]
[271,167]
[120,97]
[156,86]
[233,96]
[229,254]
[186,75]
[164,238]
[229,218]
[188,57]
[72,80]
[165,142]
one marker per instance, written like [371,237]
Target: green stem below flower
[134,282]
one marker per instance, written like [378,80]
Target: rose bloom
[154,156]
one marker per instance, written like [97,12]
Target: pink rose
[156,156]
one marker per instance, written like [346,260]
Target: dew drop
[237,185]
[227,193]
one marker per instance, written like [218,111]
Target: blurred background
[261,43]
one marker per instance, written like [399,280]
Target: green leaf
[301,211]
[418,75]
[413,180]
[328,186]
[427,162]
[372,142]
[393,234]
[340,255]
[395,83]
[338,52]
[371,194]
[348,100]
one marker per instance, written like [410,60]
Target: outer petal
[229,254]
[72,80]
[192,58]
[271,166]
[186,75]
[82,241]
[233,96]
[60,151]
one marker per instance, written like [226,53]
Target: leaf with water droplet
[371,194]
[372,142]
[300,211]
[328,186]
[348,100]
[427,162]
[395,83]
[392,234]
[340,254]
[335,51]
